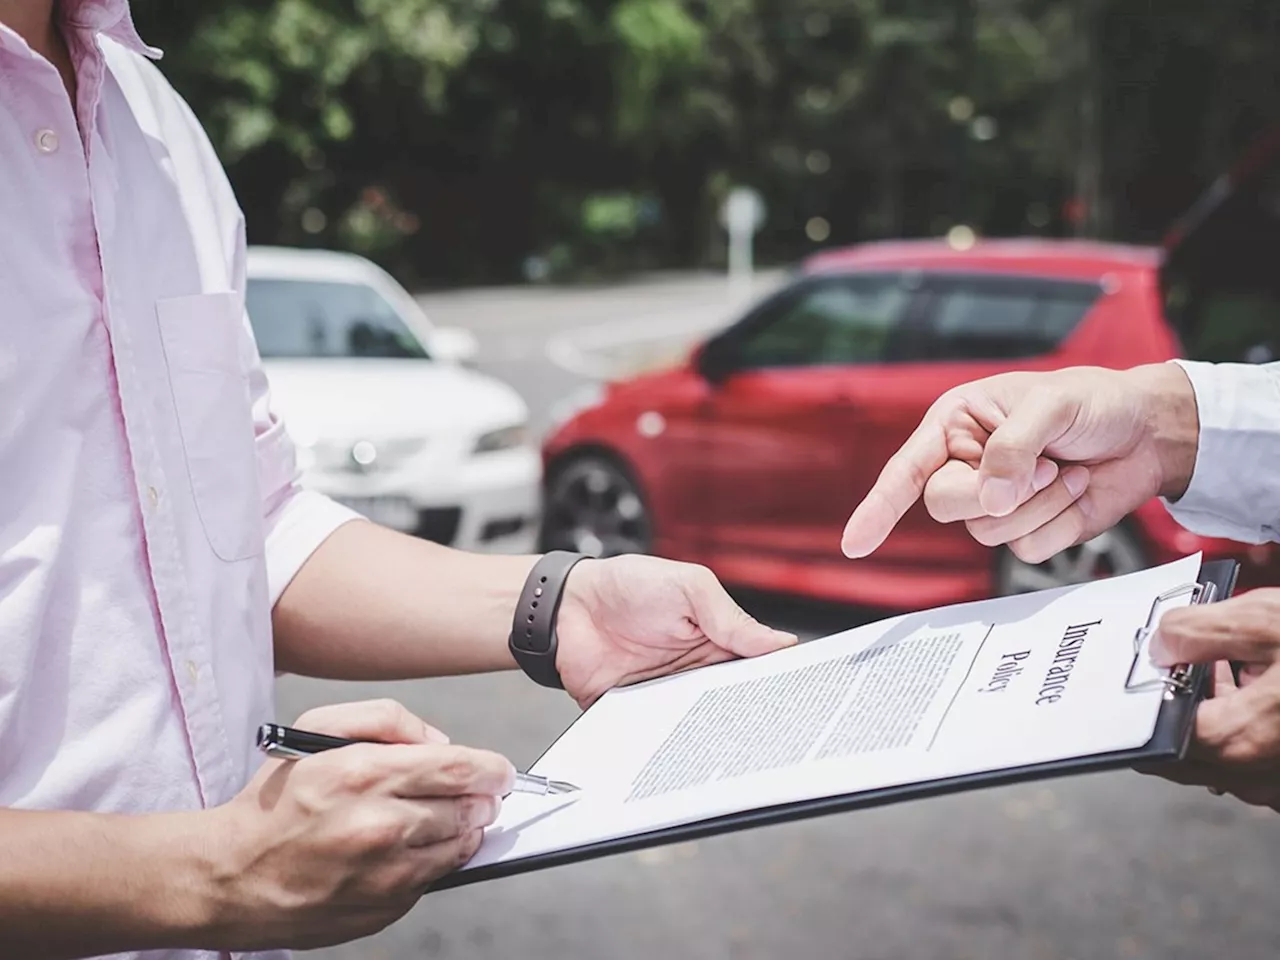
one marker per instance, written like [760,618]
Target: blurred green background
[480,141]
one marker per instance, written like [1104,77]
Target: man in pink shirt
[159,563]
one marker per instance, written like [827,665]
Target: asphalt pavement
[547,342]
[1102,866]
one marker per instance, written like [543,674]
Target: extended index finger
[900,484]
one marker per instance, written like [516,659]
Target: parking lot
[1096,867]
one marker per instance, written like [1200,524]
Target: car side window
[991,319]
[836,320]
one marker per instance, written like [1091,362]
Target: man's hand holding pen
[326,845]
[343,843]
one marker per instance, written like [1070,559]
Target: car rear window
[999,318]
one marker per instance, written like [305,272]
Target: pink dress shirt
[149,507]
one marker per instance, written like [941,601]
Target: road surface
[1105,866]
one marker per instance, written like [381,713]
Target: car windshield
[295,319]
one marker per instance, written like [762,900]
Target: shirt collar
[111,18]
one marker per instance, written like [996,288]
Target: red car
[750,456]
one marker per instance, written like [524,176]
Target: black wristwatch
[533,631]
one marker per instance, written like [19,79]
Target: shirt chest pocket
[201,337]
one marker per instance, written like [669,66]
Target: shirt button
[46,141]
[193,670]
[153,495]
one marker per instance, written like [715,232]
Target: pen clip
[284,743]
[280,752]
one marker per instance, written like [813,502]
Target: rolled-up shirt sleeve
[1235,487]
[297,520]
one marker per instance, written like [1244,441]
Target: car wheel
[593,506]
[1110,554]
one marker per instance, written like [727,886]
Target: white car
[386,414]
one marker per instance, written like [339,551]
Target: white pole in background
[742,215]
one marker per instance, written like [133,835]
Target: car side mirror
[453,345]
[715,361]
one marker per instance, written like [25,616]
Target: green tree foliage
[454,140]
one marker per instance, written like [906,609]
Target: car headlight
[506,438]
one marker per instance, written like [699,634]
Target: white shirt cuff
[295,531]
[1235,487]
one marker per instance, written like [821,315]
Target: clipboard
[1185,687]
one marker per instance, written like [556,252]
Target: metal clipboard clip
[1179,679]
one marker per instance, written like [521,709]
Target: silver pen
[532,783]
[287,743]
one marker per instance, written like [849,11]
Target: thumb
[726,624]
[1006,475]
[1219,631]
[383,721]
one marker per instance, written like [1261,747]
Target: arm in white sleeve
[1234,491]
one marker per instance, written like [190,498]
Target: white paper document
[959,690]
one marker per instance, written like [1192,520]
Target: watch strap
[533,630]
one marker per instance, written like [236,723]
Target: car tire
[592,504]
[1111,553]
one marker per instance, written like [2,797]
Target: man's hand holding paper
[1237,744]
[967,694]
